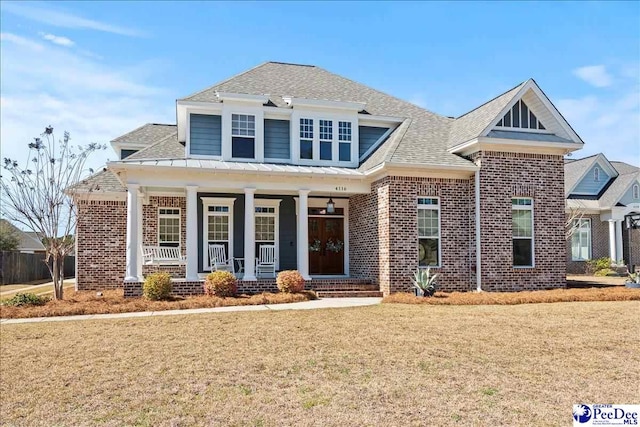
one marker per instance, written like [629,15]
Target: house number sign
[341,188]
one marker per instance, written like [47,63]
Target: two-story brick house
[349,184]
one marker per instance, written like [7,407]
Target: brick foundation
[184,288]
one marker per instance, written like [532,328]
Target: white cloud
[595,75]
[21,41]
[608,123]
[59,40]
[72,92]
[45,15]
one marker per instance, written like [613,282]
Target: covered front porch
[292,215]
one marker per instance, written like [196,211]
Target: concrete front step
[349,294]
[343,286]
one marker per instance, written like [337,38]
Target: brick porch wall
[503,176]
[101,235]
[599,244]
[184,288]
[150,231]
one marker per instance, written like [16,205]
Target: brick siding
[150,231]
[541,177]
[101,235]
[184,288]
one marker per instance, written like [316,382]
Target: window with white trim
[581,240]
[636,191]
[344,139]
[326,138]
[266,224]
[218,226]
[306,138]
[169,227]
[428,232]
[522,231]
[596,174]
[519,116]
[243,136]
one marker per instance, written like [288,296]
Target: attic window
[636,191]
[519,116]
[596,174]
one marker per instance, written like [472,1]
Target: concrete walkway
[32,288]
[306,305]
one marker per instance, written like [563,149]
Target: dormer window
[596,174]
[243,136]
[520,117]
[344,138]
[326,136]
[306,139]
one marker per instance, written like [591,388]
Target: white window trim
[228,110]
[172,216]
[436,208]
[215,201]
[533,240]
[270,203]
[255,144]
[635,191]
[317,116]
[589,240]
[596,174]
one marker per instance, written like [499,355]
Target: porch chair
[218,259]
[266,262]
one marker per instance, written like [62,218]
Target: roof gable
[581,177]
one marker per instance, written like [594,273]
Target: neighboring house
[255,160]
[29,242]
[601,194]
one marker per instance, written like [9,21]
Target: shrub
[157,286]
[605,272]
[425,282]
[290,281]
[595,265]
[19,300]
[221,284]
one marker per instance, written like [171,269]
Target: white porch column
[192,233]
[132,273]
[612,240]
[618,240]
[140,228]
[303,234]
[249,235]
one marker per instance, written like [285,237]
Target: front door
[326,245]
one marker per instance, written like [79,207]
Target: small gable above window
[519,116]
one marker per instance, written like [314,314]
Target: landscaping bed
[113,301]
[523,297]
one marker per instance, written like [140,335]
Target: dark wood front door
[326,245]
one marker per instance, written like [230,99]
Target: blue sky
[100,69]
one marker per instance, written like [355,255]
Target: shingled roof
[575,169]
[424,134]
[146,134]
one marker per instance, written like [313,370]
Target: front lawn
[391,364]
[113,301]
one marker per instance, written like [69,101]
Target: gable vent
[520,117]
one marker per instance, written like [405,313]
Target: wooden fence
[16,267]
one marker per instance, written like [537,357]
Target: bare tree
[572,224]
[36,195]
